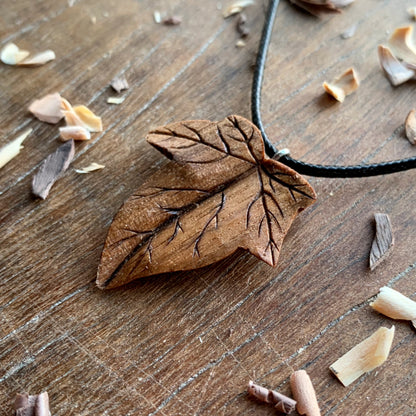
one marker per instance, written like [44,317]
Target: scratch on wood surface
[42,314]
[34,25]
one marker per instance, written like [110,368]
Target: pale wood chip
[157,16]
[74,132]
[90,168]
[342,86]
[119,84]
[240,43]
[237,7]
[38,59]
[115,100]
[393,304]
[396,72]
[412,12]
[48,108]
[350,32]
[304,394]
[383,240]
[11,54]
[52,168]
[364,357]
[12,149]
[410,127]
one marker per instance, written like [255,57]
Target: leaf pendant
[223,193]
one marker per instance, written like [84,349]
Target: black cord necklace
[355,171]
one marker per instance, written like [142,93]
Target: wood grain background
[188,343]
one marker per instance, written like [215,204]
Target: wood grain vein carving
[223,194]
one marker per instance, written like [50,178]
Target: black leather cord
[304,168]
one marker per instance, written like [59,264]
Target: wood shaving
[319,7]
[242,28]
[281,402]
[412,12]
[393,304]
[395,71]
[157,17]
[12,149]
[38,59]
[74,132]
[37,405]
[119,84]
[237,7]
[410,127]
[81,115]
[91,168]
[342,86]
[350,32]
[12,55]
[304,394]
[402,46]
[172,21]
[383,240]
[240,43]
[48,108]
[52,169]
[364,357]
[115,100]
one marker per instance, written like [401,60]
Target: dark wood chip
[242,28]
[383,240]
[52,168]
[37,405]
[172,21]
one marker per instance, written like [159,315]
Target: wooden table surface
[187,343]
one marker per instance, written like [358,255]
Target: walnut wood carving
[223,194]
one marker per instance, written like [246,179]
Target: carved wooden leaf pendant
[223,194]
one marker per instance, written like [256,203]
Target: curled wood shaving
[364,357]
[37,405]
[12,149]
[81,115]
[237,7]
[91,168]
[304,394]
[342,86]
[393,304]
[11,54]
[119,84]
[402,46]
[383,240]
[115,100]
[410,127]
[52,168]
[74,132]
[396,72]
[281,402]
[48,108]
